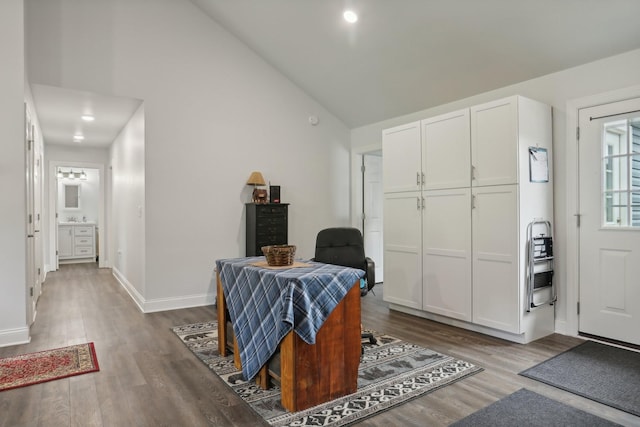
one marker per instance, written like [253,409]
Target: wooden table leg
[314,374]
[222,317]
[222,327]
[236,355]
[262,379]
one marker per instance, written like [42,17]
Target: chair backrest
[341,246]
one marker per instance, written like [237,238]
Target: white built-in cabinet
[455,221]
[76,242]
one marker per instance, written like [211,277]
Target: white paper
[538,165]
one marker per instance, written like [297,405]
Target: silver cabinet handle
[417,178]
[473,172]
[473,201]
[422,178]
[418,203]
[423,205]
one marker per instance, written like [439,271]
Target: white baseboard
[175,303]
[518,338]
[561,327]
[131,290]
[14,336]
[163,304]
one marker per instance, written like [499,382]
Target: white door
[31,273]
[494,224]
[403,249]
[372,210]
[401,162]
[37,212]
[446,248]
[446,151]
[65,241]
[609,232]
[494,143]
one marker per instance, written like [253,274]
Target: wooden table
[312,374]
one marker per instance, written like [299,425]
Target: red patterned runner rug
[35,368]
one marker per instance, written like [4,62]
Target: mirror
[72,196]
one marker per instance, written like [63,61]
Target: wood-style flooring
[148,378]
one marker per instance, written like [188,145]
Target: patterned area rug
[35,368]
[391,372]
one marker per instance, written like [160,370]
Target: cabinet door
[495,257]
[446,151]
[65,241]
[494,143]
[402,219]
[401,168]
[446,252]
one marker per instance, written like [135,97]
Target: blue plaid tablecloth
[265,304]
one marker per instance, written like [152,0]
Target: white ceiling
[59,112]
[403,56]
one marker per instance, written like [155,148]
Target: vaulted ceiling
[403,56]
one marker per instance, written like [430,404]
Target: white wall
[127,219]
[214,111]
[555,89]
[13,231]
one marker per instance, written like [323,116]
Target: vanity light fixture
[71,174]
[350,16]
[78,138]
[88,118]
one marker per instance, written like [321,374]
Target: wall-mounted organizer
[540,284]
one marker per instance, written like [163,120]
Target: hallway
[147,377]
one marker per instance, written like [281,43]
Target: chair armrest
[371,273]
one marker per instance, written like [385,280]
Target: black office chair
[345,246]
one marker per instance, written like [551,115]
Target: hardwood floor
[148,378]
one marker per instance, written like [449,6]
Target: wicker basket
[279,255]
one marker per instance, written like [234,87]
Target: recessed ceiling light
[350,16]
[78,138]
[88,118]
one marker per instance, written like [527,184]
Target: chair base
[370,337]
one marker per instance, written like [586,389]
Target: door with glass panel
[609,209]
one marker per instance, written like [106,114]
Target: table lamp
[259,196]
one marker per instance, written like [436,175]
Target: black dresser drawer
[267,224]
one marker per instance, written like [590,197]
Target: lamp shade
[255,179]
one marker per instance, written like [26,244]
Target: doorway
[372,198]
[609,220]
[367,202]
[80,212]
